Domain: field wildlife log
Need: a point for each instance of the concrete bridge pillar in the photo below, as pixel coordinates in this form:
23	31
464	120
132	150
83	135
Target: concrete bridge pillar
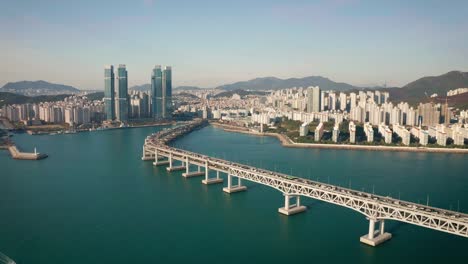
175	168
290	209
170	160
188	174
146	155
375	237
234	188
159	160
209	180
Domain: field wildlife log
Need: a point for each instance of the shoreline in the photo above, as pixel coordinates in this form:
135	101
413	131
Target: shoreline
287	142
30	132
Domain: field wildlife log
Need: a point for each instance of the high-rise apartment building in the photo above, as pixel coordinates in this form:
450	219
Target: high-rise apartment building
429	113
109	92
167	92
313	99
157	92
343	103
121	105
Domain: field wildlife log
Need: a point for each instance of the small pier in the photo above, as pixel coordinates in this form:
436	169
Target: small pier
16	154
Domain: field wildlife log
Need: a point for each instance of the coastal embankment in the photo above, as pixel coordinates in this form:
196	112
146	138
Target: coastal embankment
287	142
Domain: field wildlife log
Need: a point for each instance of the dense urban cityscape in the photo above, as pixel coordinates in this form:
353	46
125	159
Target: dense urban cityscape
370	113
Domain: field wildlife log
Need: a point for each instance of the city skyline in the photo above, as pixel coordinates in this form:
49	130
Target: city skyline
340	40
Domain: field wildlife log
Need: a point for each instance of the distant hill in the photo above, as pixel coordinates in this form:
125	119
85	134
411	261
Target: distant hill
147	87
12	98
416	91
273	83
184	94
36	88
240	92
186	88
95	96
141	88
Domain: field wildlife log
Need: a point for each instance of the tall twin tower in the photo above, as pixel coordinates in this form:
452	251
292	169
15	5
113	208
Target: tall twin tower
161	92
116	101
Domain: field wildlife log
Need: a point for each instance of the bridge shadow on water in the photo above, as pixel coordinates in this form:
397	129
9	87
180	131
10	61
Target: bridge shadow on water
395	227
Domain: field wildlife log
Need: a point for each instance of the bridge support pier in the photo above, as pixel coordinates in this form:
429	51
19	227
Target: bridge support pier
234	188
375	237
290	209
188	174
207	179
175	168
158	161
146	154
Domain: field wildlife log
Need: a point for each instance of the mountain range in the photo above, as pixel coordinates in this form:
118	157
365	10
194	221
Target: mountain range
273	83
413	92
424	87
36	88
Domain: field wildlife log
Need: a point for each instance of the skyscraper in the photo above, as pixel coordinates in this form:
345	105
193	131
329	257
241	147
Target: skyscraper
167	92
157	92
313	99
121	108
109	92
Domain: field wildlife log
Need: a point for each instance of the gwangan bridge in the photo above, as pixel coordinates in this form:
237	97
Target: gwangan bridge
376	208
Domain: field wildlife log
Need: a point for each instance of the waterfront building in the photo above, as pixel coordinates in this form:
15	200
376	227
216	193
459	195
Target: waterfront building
369	131
445	114
304	129
167	92
441	137
424	138
386	133
313	99
411	117
336	133
429	114
157	92
352	132
402	132
216	114
395	116
109	92
352	100
318	132
343	102
322	101
332	101
121	100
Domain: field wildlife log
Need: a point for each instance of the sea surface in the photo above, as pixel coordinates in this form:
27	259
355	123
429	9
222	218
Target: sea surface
93	200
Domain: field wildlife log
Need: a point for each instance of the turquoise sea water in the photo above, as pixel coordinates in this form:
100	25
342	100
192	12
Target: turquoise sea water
94	201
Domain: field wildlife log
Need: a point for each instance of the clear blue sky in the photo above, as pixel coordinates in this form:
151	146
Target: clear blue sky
212	42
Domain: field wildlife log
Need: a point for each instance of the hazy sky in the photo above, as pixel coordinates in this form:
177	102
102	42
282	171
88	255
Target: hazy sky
212	42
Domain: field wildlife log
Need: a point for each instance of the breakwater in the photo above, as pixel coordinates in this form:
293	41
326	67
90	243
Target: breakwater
17	154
